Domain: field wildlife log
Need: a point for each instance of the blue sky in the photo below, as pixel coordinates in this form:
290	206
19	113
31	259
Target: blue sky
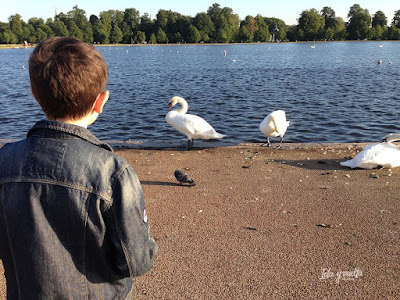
287	10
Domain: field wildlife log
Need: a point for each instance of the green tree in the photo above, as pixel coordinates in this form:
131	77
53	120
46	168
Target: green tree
393	33
117	16
140	37
396	19
292	33
59	28
16	27
106	20
9	37
175	25
329	15
262	33
251	25
162	19
29	34
161	36
245	34
93	19
379	19
37	34
376	33
339	29
46	30
100	33
78	16
226	23
130	24
146	25
359	22
74	30
116	34
153	39
232	23
205	26
182	26
40	34
312	24
194	35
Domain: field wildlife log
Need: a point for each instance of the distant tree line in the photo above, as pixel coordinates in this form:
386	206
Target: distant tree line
217	25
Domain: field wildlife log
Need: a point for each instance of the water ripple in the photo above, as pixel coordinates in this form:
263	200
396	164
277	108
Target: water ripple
334	93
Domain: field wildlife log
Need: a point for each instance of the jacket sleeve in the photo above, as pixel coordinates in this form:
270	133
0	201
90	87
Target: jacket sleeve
130	219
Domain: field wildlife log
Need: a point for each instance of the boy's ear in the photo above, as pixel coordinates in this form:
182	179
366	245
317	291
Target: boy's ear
100	101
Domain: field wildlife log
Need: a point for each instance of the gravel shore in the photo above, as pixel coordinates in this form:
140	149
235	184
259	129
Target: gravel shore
266	223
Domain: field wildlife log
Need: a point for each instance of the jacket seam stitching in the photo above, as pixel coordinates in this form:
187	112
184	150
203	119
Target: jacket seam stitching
105	196
117	227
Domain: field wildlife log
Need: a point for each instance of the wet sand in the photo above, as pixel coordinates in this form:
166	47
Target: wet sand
264	223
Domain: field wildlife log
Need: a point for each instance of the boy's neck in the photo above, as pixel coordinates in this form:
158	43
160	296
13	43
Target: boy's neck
83	122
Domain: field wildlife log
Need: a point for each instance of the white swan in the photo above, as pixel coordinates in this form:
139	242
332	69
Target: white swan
194	127
274	125
384	155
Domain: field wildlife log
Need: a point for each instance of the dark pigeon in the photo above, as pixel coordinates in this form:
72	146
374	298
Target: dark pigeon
183	177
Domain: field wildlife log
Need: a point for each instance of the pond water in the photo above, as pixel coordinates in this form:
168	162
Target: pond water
333	92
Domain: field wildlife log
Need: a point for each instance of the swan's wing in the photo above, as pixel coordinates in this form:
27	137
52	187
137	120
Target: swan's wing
179	122
275	123
383	154
281	124
267	127
200	128
192	126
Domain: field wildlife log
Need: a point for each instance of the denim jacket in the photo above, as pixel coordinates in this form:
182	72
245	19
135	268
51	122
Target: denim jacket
73	223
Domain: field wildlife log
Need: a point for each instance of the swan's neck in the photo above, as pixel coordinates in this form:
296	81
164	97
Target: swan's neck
393	137
184	106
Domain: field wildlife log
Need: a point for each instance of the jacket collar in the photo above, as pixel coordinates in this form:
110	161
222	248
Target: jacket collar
69	129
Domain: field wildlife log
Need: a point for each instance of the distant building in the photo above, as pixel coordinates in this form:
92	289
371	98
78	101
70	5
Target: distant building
273	32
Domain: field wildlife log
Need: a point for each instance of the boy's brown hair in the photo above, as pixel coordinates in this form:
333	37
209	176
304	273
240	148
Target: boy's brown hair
66	76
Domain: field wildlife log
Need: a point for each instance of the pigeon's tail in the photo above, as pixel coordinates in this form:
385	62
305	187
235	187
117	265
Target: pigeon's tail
182	177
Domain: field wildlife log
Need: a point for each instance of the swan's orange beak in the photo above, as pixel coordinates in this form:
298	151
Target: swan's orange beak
170	106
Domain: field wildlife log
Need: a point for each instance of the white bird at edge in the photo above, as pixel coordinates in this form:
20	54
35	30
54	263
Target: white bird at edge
194	127
385	155
274	125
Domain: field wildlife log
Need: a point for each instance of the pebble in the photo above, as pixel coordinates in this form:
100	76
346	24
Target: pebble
373	175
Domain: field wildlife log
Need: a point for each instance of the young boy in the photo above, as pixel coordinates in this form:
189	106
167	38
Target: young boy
73	223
